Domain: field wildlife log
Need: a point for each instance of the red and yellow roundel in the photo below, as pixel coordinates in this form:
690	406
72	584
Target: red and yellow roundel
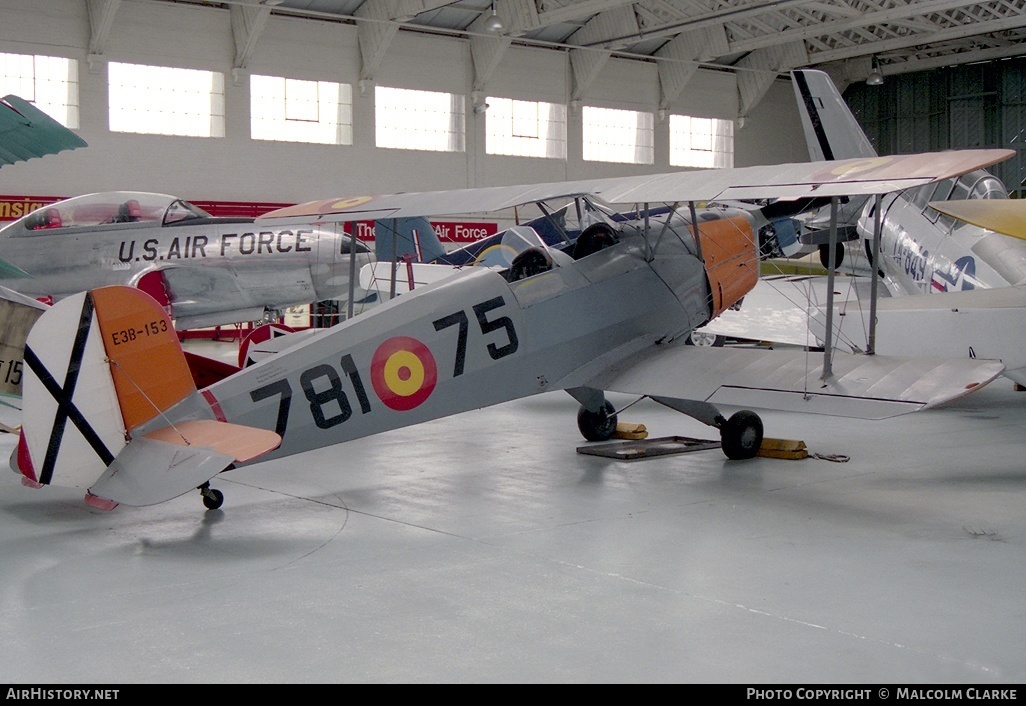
348	203
403	372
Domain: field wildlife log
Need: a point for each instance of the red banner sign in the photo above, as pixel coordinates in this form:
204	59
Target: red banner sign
462	232
14	207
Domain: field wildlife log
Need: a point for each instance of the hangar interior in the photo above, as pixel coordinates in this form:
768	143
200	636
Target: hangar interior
483	547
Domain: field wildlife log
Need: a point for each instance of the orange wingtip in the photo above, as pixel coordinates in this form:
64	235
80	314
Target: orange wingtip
240	442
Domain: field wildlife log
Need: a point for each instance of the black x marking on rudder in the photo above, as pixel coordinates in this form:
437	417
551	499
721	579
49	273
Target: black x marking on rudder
62	395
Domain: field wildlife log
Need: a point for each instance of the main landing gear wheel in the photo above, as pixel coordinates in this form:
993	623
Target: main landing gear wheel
597	426
705	339
824	254
212	498
741	435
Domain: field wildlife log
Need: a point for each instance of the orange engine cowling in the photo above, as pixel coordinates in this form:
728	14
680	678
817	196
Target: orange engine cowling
730	251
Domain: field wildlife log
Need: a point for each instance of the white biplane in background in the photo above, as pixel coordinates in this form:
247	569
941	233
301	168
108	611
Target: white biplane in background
111	408
945	239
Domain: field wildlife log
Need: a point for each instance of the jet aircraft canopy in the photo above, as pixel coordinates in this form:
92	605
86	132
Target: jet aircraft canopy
108	208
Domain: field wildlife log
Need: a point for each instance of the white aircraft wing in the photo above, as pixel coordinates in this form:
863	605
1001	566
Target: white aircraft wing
849	177
861	386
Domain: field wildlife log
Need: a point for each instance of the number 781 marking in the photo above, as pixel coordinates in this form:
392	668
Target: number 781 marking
481	312
321	400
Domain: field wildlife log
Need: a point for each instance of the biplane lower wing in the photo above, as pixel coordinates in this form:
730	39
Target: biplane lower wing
860	386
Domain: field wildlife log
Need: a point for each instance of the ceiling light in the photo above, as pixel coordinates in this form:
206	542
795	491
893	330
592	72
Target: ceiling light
875	77
494	24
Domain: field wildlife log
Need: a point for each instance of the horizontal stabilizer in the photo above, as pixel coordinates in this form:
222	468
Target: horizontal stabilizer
242	443
149	471
174	460
861	386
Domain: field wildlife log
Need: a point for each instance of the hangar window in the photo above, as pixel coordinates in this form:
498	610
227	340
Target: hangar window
161	100
526	128
612	135
418	120
48	82
291	110
701	142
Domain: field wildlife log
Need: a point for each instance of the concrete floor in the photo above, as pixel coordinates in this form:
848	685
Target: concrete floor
484	548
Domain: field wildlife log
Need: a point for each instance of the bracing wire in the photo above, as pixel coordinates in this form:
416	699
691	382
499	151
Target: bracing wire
147	398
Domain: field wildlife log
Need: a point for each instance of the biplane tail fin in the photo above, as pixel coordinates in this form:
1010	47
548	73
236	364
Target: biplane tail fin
101	367
406	238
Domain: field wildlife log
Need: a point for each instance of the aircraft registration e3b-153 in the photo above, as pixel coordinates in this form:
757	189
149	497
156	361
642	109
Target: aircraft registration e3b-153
207	270
111	408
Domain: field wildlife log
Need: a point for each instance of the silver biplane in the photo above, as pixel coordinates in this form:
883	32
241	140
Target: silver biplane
953	282
110	406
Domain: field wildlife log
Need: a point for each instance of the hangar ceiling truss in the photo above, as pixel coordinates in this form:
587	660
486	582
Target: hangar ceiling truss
757	39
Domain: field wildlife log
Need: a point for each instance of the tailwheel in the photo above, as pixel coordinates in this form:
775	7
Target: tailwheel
597	426
212	498
741	435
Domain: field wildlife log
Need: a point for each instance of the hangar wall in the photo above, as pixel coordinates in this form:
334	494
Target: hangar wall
960	107
238	168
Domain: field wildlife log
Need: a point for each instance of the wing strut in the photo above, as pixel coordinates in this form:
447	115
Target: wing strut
352	271
874	279
873	295
694	223
828	342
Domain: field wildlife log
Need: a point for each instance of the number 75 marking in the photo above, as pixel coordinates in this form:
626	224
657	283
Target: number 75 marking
481	312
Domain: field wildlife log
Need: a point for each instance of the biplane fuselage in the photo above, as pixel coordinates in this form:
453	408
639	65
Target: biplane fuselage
472	341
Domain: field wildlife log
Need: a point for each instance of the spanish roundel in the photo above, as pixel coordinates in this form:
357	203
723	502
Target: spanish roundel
403	372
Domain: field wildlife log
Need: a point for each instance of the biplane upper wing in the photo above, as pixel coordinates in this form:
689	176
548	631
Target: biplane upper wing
782	181
856	385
